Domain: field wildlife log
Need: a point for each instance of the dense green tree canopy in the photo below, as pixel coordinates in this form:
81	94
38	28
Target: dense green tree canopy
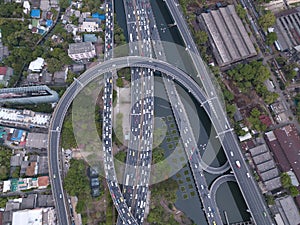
267	20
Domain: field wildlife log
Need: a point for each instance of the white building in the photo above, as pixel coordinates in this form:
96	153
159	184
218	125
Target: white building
39	216
275	6
89	27
37	65
26	7
84	50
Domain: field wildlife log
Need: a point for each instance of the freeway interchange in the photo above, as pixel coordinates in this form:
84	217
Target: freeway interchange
174	73
207	98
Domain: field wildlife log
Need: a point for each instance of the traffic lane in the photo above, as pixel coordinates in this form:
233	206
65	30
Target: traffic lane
248	185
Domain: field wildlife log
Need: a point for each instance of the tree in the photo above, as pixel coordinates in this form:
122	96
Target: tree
158	155
271	38
271	97
54	65
64	4
285	180
241	11
70	77
294	191
119	82
201	37
267	20
255	112
270	199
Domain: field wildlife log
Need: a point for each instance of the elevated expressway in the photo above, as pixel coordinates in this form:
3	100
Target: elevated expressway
138	160
249	188
218	182
58	117
186	133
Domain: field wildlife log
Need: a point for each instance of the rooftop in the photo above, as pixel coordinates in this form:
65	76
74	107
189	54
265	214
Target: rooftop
24	117
31	217
288	210
77	48
229	37
35	13
286	148
3	70
37	140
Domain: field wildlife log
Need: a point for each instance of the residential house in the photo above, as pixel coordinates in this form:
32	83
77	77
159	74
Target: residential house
37	65
26	7
3	50
5	75
60	77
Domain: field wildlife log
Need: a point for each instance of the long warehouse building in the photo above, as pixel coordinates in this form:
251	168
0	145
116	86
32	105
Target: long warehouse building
228	36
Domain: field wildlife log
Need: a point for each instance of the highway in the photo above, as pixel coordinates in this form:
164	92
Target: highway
213	107
138	160
61	110
189	141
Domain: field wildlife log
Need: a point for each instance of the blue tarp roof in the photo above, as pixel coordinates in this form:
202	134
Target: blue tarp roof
36	13
49	23
99	16
18	138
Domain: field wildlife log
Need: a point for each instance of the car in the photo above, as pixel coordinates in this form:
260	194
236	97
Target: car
264	213
248	175
54	176
231	153
60	195
238	164
208	195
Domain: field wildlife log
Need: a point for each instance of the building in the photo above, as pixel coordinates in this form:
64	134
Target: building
284	142
5	74
24	118
28	95
35	13
38	216
275	6
228	37
37	140
288	210
3	50
37	65
87	26
79	51
90	38
60	77
287	28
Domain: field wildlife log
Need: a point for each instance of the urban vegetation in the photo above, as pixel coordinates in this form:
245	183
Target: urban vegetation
271	38
256	124
5	154
267	20
252	76
242	13
288	68
67	135
164	191
76	183
119	129
287	184
297	102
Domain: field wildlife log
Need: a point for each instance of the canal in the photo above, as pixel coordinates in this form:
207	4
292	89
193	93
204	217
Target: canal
229	197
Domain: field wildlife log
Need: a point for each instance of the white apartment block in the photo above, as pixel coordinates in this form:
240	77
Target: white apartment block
89	27
83	50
